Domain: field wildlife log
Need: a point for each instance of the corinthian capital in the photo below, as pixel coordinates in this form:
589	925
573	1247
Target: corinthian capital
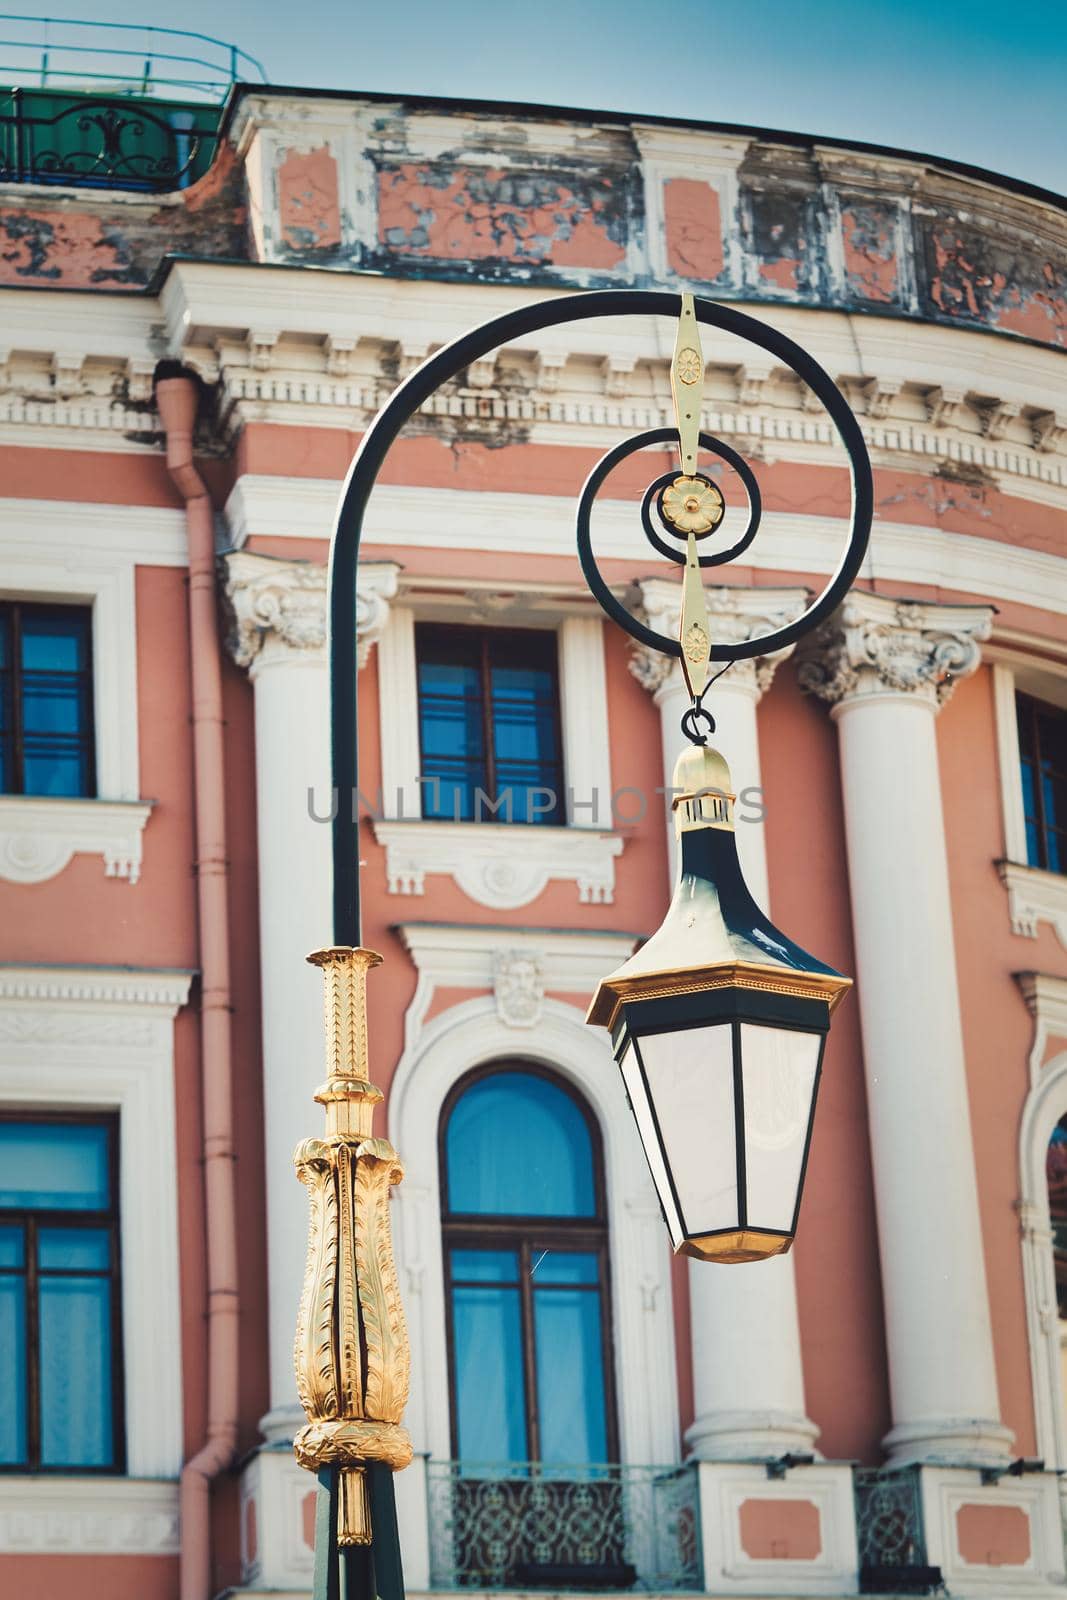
280	606
874	645
735	615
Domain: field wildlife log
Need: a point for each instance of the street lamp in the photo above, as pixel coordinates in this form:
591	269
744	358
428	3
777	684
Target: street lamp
718	1024
718	1021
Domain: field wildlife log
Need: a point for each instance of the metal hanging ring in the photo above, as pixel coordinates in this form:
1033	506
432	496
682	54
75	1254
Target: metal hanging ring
691	721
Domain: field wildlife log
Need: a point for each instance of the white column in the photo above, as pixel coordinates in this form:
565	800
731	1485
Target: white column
278	632
748	1382
886	667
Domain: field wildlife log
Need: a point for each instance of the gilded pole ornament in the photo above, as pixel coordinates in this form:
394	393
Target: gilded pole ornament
352	1356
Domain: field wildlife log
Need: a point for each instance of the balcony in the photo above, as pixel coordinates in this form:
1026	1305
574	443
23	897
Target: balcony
589	1528
109	106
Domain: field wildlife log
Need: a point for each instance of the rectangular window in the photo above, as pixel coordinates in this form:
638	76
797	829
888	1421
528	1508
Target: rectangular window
1043	762
60	1346
489	725
46	699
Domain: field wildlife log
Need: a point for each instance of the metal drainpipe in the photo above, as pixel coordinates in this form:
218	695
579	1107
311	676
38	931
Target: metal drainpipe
176	399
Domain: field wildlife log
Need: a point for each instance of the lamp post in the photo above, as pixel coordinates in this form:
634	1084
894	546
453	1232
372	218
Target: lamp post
718	1022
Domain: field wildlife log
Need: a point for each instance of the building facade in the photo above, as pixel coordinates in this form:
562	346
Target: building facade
185	378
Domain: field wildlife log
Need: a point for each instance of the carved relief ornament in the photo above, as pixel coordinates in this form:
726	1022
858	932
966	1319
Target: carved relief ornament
285	602
875	645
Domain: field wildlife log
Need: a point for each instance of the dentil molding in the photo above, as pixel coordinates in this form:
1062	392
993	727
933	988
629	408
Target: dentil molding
282	604
875	645
39	834
500	865
736	614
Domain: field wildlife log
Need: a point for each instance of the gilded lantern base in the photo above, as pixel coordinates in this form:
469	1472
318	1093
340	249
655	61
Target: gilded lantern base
352	1355
742	1244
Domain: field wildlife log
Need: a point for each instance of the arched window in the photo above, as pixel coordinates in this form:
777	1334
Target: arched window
1056	1174
526	1272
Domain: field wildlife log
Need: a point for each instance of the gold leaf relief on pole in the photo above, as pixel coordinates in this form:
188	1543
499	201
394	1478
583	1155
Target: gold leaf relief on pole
385	1331
316	1377
352	1354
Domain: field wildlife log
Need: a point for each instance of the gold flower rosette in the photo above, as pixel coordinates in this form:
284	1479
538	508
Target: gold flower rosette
352	1356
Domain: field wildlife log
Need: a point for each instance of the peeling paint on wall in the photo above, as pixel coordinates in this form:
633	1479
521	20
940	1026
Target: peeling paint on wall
498	198
101	244
309	212
493	213
1002	282
868	235
693	220
779	238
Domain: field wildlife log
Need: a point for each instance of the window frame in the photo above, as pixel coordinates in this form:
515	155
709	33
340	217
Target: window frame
31	1219
1034	708
526	1234
486	638
15	608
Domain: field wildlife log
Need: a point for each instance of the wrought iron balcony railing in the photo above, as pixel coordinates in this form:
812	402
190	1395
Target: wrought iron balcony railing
110	106
531	1526
889	1532
90	141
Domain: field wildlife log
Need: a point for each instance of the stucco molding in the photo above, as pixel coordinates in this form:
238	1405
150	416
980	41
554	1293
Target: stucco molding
280	606
40	834
555	961
453	1043
518	988
88	1516
900	553
498	864
1034	897
947	1491
877	646
736	614
727	1488
59	1028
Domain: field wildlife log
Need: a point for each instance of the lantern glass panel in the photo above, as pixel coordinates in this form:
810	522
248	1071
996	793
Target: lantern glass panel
690	1075
646	1127
778	1067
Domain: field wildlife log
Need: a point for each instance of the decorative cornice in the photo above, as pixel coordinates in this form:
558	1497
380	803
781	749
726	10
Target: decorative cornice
874	646
498	864
1035	896
536	962
165	990
88	1516
736	615
284	602
39	834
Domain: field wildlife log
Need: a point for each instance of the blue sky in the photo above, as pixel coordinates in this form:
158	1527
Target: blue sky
982	81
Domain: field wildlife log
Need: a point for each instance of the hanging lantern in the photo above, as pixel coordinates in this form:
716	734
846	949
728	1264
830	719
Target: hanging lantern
718	1024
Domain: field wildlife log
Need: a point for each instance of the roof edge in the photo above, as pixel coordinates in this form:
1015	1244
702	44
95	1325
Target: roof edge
803	141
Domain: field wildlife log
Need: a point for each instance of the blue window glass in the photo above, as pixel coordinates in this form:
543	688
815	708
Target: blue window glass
54	1166
12	1345
489	725
1043	770
518	1145
487	1333
570	1384
46	733
75	1323
526	1245
59	1409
